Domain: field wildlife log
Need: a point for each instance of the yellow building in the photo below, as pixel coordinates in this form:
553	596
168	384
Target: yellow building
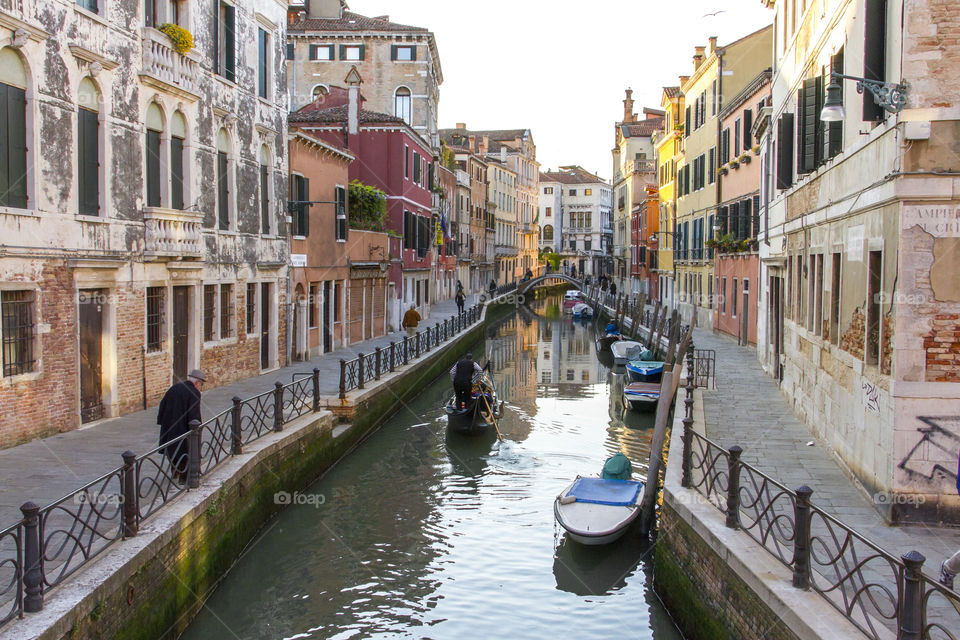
718	72
669	155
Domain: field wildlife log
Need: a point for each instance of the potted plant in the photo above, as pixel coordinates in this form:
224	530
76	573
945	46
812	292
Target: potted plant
181	39
711	243
745	158
722	171
756	150
734	164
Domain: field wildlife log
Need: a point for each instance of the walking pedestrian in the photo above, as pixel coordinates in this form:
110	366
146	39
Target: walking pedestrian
179	407
461	299
410	320
950	567
613	288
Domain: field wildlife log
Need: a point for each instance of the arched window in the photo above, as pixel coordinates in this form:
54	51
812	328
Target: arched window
155	127
178	135
402	105
13	130
88	148
548	233
264	190
318	91
223	179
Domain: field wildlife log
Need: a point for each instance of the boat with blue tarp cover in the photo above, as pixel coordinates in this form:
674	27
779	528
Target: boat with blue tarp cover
598	510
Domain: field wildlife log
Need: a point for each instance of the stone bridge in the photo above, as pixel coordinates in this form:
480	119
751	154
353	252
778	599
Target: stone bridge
550	279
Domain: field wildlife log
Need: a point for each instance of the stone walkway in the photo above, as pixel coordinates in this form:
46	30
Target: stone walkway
748	409
50	468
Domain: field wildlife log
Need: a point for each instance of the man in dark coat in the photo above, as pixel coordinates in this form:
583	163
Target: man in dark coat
179	407
460	300
462	375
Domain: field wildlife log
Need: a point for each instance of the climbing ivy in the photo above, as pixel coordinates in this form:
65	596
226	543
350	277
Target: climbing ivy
368	207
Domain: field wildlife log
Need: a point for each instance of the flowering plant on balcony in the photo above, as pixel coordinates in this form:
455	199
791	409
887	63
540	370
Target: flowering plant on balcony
181	38
745	158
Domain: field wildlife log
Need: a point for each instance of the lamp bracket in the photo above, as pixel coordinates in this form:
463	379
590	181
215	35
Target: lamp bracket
889	95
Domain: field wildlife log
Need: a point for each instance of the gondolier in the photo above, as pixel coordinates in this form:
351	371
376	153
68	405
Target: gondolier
462	376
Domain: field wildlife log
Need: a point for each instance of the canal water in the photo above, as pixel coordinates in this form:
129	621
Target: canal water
421	534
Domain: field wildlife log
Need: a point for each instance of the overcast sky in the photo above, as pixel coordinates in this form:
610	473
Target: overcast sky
560	67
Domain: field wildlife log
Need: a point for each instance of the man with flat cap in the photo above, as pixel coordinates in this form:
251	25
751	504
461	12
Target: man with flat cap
179	407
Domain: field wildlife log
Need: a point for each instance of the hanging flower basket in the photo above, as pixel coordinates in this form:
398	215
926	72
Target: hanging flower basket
181	38
745	159
734	164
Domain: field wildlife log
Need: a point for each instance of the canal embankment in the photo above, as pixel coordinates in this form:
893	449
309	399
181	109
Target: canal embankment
150	585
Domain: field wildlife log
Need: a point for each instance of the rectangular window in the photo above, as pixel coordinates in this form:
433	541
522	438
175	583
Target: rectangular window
573	192
747	129
874	282
587	244
874	54
354	52
835	299
403	53
290	51
154	318
300	188
588	192
725	146
321	52
723	296
416	167
788	311
17	329
785	151
811	292
90	5
226	310
13	147
548	190
736	138
818	324
88	162
263	46
264	199
176	172
209	312
153	168
712	166
251	307
341	198
223	192
713	99
549	211
312	306
225	40
834	133
733	299
810	128
406	162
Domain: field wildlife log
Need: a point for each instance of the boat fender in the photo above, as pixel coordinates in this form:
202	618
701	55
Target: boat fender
568	499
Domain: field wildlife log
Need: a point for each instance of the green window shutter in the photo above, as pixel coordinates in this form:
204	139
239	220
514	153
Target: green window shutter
393	52
807	127
363	50
820	129
722	220
756	216
874	53
216	36
13	147
413	53
176	173
290	51
305	197
230	44
686	125
785	151
153	168
747	129
343	52
835	129
261	63
264	200
88	168
223	193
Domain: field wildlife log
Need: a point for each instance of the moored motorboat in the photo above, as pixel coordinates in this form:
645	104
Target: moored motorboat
626	350
645	370
604	342
582	310
641	396
597	511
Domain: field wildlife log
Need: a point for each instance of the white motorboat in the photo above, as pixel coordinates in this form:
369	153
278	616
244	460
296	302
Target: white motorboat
582	310
642	396
597	511
626	350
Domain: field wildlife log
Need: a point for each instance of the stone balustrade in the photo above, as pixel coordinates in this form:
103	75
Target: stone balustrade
166	69
171	233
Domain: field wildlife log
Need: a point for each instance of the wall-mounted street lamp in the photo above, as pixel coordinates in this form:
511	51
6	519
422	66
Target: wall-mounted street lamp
890	96
655	237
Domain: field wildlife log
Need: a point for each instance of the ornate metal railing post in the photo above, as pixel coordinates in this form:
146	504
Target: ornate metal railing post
316	389
236	436
393	355
278	406
426	341
32	559
687	457
801	542
343	379
733	487
376	363
360	370
910	615
193	458
128	492
406	349
436	335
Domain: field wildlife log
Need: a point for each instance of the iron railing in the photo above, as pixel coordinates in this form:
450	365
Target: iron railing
51	543
876	591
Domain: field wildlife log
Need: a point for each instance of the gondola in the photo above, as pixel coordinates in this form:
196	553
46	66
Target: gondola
478	415
604	342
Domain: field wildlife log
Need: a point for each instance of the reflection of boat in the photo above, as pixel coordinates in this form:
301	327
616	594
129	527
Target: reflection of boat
595	571
606	358
478	415
645	371
582	310
571	299
641	396
604	342
626	350
597	510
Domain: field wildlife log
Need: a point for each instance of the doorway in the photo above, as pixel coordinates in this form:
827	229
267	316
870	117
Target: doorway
264	325
745	314
91	354
326	320
181	332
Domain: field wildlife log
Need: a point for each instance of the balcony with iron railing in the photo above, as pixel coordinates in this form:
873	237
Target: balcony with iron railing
172	233
168	70
645	166
463	178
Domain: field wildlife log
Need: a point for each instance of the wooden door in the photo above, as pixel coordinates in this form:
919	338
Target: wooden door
181	332
264	325
91	355
327	322
745	316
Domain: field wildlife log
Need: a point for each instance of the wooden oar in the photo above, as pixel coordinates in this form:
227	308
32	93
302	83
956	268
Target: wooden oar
492	417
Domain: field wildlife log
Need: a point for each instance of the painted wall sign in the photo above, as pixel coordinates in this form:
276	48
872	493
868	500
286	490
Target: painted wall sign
942	221
298	259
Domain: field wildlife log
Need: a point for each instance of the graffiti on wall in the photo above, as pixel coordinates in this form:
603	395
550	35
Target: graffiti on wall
932	461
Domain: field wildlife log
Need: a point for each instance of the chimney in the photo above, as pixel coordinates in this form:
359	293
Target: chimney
503	154
462	125
353	81
473	143
712	47
697	58
628	115
327	9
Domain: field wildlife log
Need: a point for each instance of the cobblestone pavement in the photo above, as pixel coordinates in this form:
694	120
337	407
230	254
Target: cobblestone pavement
748	409
46	469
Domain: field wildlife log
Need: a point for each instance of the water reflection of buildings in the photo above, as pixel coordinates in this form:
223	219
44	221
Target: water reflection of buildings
567	357
513	361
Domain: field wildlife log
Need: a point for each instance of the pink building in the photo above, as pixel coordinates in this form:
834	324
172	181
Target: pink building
736	262
394	158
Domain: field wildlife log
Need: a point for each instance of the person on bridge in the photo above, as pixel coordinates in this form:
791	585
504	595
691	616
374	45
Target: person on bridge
461	299
462	376
410	320
493	289
613	288
179	407
573	272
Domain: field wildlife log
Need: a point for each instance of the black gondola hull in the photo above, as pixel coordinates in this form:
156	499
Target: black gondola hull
469	420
